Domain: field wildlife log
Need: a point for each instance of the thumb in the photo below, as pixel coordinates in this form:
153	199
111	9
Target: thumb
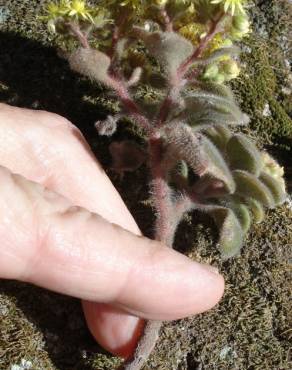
47	241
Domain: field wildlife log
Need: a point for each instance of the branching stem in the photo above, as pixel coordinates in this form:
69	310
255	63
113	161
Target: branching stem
81	37
177	83
202	46
134	111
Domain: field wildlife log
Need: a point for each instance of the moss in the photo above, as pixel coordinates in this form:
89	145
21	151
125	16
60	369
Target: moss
249	329
258	88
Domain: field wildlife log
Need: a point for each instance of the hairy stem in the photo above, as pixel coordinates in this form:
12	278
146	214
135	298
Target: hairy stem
169	214
132	108
161	193
81	37
177	82
202	46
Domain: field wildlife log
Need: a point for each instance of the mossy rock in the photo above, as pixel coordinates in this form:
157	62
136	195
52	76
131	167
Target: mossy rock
249	329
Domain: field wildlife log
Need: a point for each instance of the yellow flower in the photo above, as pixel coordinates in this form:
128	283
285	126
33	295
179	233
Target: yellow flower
55	10
193	32
235	6
78	9
134	4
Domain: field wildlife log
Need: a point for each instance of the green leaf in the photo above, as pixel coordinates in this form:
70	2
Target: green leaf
91	63
219	135
276	187
243	155
219	53
182	144
243	215
231	233
217	166
250	186
169	48
216	102
257	210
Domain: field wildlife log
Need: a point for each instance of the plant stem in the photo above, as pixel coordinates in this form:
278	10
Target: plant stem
169	213
161	192
202	46
167	21
134	111
164	232
178	84
81	37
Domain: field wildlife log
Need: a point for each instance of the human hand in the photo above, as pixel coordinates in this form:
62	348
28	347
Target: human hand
64	227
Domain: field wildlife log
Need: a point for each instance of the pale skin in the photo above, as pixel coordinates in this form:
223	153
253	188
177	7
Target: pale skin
64	227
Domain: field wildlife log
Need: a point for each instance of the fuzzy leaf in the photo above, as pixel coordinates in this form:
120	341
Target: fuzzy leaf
219	90
91	63
217	166
276	187
169	48
184	145
250	186
217	103
179	176
200	113
219	135
243	155
243	215
257	210
120	48
219	53
231	233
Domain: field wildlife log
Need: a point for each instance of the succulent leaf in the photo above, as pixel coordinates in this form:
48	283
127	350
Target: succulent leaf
215	102
219	135
221	53
250	186
257	210
243	155
231	233
276	187
91	63
183	144
242	213
217	166
169	48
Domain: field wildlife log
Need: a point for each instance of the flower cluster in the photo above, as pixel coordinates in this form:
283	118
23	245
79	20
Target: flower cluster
77	11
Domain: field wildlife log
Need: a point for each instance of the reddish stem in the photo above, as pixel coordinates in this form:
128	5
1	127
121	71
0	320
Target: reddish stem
167	104
130	105
81	37
182	70
161	191
167	21
200	49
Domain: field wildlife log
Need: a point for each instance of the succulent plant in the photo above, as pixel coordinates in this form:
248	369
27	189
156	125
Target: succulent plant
167	62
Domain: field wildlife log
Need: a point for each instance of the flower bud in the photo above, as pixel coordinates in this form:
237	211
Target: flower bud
219	79
107	127
52	26
241	24
230	69
211	71
161	2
